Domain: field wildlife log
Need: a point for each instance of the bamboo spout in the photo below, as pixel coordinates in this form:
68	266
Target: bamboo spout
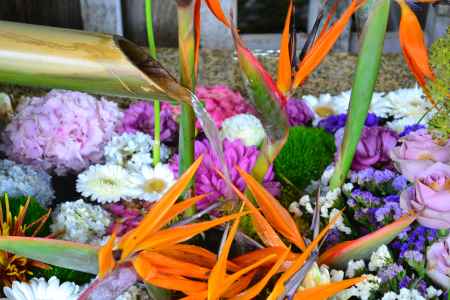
97	63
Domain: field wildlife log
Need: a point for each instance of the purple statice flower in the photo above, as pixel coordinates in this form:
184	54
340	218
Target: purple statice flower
388	212
335	122
299	113
366	198
390	272
417	239
422	287
365	216
383	176
363	176
414	256
351	202
400	183
411	128
334	237
208	181
405	282
140	117
392	198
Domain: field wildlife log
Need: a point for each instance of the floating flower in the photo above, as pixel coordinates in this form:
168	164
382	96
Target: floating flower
106	183
152	183
430	197
373	147
132	151
298	112
417	152
62	131
438	263
221	102
140	117
40	289
80	222
244	127
207	181
22	180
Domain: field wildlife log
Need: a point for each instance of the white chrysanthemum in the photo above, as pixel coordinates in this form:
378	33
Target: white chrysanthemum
354	267
379	105
40	289
132	151
405	294
106	183
362	290
245	127
80	222
380	258
152	183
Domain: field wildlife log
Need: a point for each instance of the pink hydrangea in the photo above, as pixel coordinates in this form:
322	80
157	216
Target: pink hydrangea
62	131
221	102
140	117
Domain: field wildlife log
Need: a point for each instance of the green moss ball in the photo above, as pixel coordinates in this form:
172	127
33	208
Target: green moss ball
308	151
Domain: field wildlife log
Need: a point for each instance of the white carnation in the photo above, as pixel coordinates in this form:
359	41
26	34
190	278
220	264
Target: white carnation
354	267
80	221
245	127
380	258
405	294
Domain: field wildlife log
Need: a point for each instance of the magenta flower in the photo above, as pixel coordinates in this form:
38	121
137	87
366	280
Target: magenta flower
140	117
417	152
430	197
438	263
221	102
62	131
298	112
373	147
236	154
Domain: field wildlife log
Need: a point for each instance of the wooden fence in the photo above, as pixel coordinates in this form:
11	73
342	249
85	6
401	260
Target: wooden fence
126	17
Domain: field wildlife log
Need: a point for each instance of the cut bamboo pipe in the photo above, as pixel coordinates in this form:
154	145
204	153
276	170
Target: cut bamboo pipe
97	63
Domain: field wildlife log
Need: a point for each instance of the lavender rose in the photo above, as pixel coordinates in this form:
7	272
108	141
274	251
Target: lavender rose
417	152
373	147
438	263
430	197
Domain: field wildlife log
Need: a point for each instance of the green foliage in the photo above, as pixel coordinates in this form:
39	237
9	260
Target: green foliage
34	212
439	60
305	156
64	275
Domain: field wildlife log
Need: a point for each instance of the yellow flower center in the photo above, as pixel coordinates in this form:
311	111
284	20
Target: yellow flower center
324	111
155	185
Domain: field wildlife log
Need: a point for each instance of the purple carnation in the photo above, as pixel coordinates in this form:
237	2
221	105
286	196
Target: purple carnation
411	128
335	122
373	147
298	112
236	154
62	131
140	117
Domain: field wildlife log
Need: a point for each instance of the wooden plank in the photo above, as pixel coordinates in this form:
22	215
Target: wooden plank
58	13
214	34
102	16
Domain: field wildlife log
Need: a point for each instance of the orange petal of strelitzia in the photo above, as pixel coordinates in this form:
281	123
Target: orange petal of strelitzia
157	213
274	212
106	261
324	44
284	78
413	46
216	9
324	292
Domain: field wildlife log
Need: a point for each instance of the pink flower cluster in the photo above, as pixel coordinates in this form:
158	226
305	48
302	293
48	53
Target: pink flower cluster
62	131
221	102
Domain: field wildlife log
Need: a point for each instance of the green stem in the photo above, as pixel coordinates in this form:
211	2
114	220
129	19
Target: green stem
186	41
156	103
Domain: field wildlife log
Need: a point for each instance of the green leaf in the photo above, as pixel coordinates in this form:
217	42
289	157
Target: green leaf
69	255
340	254
158	293
64	275
369	61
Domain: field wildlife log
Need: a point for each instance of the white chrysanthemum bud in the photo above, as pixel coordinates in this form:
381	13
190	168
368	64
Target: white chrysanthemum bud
245	127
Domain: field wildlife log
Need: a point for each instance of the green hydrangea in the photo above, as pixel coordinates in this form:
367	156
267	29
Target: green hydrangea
439	60
305	156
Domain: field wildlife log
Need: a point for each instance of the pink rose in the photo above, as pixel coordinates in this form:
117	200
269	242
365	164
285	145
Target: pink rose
417	152
438	263
430	197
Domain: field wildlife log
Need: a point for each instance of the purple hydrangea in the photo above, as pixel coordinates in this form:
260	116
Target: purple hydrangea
335	122
140	117
207	181
62	131
411	128
299	113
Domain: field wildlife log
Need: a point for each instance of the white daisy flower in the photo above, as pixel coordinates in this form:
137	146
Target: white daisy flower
40	289
106	183
152	183
244	127
323	106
